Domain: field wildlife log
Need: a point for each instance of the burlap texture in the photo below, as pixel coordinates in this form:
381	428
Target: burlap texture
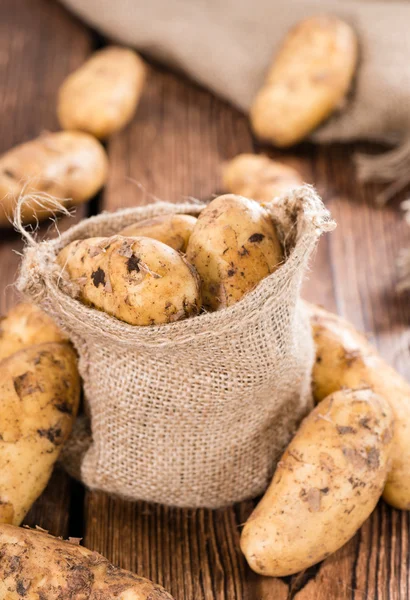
193	413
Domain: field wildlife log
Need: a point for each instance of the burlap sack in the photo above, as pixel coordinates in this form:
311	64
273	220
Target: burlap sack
193	413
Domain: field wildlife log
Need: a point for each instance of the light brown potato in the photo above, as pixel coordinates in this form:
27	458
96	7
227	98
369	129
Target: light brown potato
307	81
325	486
138	280
173	230
233	247
102	95
35	565
67	165
39	396
344	358
258	177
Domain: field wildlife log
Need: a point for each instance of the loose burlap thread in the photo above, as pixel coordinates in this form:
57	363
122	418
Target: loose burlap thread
193	413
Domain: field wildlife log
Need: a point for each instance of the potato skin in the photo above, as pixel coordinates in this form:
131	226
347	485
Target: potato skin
102	95
326	484
39	397
307	81
36	565
344	358
173	230
68	165
138	280
233	247
258	177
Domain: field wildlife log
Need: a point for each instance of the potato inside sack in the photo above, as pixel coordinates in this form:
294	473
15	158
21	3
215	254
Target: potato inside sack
173	230
233	246
138	280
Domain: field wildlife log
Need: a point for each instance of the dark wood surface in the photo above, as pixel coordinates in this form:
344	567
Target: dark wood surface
174	147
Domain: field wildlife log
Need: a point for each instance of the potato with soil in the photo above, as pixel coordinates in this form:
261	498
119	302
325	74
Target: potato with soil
344	358
102	95
35	565
258	177
138	280
307	81
233	246
173	230
326	484
67	165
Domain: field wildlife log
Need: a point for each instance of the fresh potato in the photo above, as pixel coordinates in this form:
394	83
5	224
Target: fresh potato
326	484
308	80
102	95
344	358
173	230
39	396
258	177
233	246
38	566
138	280
67	165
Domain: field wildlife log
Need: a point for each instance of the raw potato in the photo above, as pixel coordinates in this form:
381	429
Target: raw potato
35	565
325	486
233	247
138	280
173	230
39	396
67	165
308	80
344	358
258	177
102	95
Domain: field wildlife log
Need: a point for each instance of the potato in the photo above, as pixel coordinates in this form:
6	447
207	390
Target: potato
68	165
344	358
326	484
38	566
307	81
233	246
258	177
39	396
138	280
173	230
102	95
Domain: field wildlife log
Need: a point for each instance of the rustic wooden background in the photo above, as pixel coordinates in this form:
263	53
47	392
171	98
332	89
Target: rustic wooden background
174	148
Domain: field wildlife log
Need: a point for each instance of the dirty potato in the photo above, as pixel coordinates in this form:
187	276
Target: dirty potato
173	230
308	80
233	246
138	280
68	165
258	177
344	358
326	484
35	565
102	95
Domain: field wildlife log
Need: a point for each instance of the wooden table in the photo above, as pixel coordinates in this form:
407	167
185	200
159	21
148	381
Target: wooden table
174	148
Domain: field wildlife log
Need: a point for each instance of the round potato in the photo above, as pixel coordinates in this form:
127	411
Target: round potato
67	165
102	95
233	246
326	484
173	230
138	280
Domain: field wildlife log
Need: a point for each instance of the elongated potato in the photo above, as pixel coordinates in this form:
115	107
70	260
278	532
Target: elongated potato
308	80
344	358
233	246
258	177
38	566
138	280
102	95
326	484
39	396
69	165
173	230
